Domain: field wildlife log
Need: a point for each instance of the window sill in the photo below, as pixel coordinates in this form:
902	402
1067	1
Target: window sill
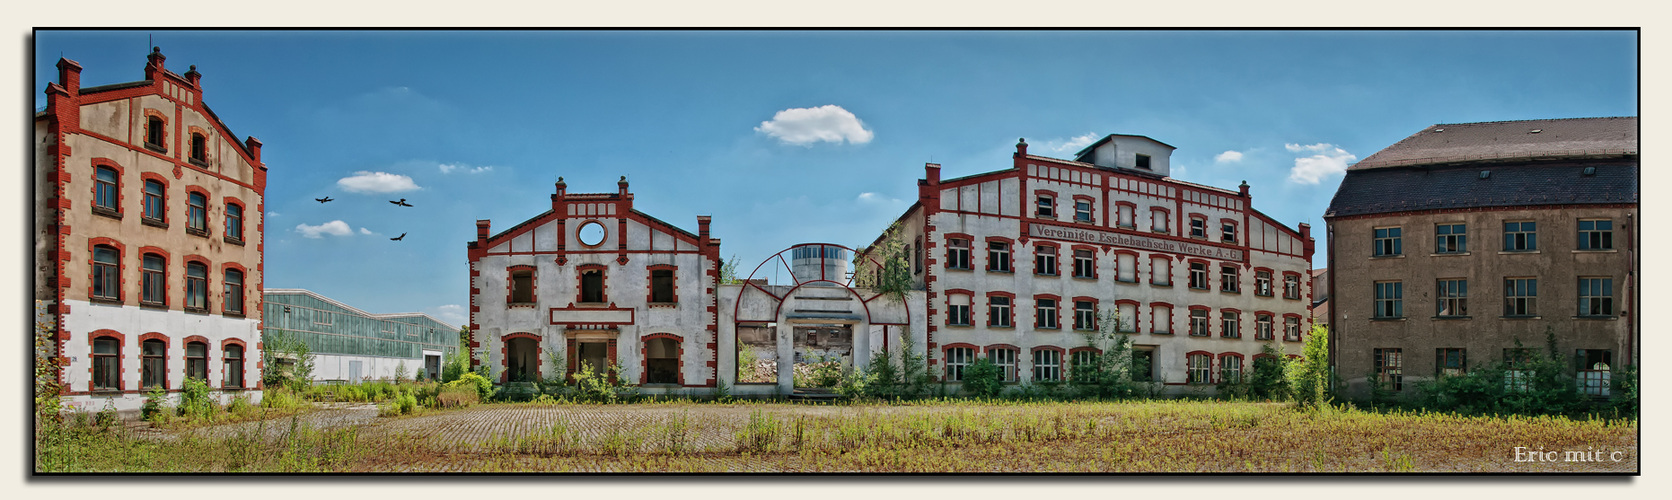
153	222
1267	295
517	305
1129	227
154	305
106	391
1451	254
98	210
190	310
999	271
1126	282
1607	250
964	269
198	162
592	304
1598	318
1291	298
1161	285
234	388
105	300
1521	317
1086	222
950	325
198	232
1291	340
1517	252
1048	275
1161	333
664	304
1451	318
1006	327
1159	231
1230	292
1388	319
1045	217
1200	289
1380	257
234	241
156	147
1202	335
1052	328
1087	278
232	314
1239	337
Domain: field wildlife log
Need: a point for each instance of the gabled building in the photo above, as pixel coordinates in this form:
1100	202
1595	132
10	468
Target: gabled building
148	238
594	281
350	345
1452	245
1018	264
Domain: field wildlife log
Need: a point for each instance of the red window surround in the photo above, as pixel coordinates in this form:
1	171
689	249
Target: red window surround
1166	270
970	297
192	130
244	209
141	282
1055	298
1221	318
244	368
1013	306
1206	230
1299	320
168	355
604	277
1131	208
207	203
161	179
650	288
122	353
1001	239
539	352
246	290
1217	360
973	250
510	285
1091	202
1094	252
121	185
1137	326
1299	282
1160	322
121	267
1033	204
644	355
1165	218
145	131
1213	368
1217	233
1115	254
1094	305
1192	309
1049	249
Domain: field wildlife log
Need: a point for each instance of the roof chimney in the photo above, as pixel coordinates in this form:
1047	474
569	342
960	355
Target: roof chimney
154	63
192	77
931	172
557	197
254	145
622	186
702	230
1021	147
69	75
482	231
1244	189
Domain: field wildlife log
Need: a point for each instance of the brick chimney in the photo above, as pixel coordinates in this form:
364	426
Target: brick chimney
254	145
482	231
931	173
69	75
1243	189
702	230
622	186
1021	147
193	77
558	195
154	65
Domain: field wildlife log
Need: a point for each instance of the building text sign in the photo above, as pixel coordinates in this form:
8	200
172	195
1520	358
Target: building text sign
1132	241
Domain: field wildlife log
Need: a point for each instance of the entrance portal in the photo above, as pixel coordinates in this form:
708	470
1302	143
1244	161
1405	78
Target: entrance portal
823	353
522	360
593	355
661	363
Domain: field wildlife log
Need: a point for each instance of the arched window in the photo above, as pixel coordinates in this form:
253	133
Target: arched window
234	289
153	280
106	193
154	201
197	360
107	276
235	221
197	213
154	133
107	364
153	364
197	287
232	366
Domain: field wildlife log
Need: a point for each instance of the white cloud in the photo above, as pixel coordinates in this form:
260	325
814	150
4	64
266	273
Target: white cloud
272	214
1073	144
1326	160
1228	157
333	228
365	231
869	197
448	168
805	126
376	182
451	313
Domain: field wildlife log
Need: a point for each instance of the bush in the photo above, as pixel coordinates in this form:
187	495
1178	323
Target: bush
154	408
982	378
281	398
484	388
456	395
195	402
1311	376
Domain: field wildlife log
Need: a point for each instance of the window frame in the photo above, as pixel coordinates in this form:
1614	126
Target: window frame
1198	368
1451	238
1228	231
1201	325
1230	278
153	366
1116	256
1045	205
958	253
1198	227
1451	297
1164	274
232	366
1085	210
156	129
1230	368
1000	260
1292	330
1447	365
1384	306
1265	326
955	312
197	287
1521	297
1593	239
1047	312
232	293
107	193
106	274
153	282
198	362
199	150
1155	323
1126	215
1262	282
1005	312
1523	237
233	225
1291	285
664	280
1085	318
1047	364
1387	241
1085	262
107	366
1045	260
1389	366
1198	275
1007	358
1164	217
581	292
956	364
514	275
1590	301
1230	323
1590	380
154	206
197	214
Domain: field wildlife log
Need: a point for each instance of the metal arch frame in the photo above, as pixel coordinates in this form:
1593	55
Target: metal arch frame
776	311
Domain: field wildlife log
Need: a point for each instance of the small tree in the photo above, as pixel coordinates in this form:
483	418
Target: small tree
982	378
400	372
728	270
1270	380
1310	377
280	348
1109	374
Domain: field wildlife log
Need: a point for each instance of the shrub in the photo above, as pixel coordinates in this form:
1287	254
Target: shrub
456	395
982	378
153	409
281	398
1311	376
195	402
484	388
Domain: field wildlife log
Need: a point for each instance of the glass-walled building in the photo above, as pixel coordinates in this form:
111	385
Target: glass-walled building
352	345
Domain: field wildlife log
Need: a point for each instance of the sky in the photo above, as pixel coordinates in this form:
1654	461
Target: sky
789	137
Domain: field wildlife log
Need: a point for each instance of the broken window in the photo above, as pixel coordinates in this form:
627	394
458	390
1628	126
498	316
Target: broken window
592	286
661	285
661	362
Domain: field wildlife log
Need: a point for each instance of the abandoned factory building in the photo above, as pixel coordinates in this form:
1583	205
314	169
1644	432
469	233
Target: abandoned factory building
1468	244
148	238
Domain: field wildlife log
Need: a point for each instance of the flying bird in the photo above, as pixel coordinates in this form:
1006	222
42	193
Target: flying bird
401	203
398	238
322	200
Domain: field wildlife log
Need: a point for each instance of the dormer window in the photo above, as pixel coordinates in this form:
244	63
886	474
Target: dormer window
1142	162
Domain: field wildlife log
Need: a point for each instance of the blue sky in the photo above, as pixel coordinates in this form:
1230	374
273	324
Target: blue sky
791	137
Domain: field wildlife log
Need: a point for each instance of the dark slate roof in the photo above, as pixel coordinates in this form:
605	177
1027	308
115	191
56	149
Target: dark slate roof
1569	138
1385	190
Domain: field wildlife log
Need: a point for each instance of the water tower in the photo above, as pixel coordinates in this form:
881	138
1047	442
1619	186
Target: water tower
810	262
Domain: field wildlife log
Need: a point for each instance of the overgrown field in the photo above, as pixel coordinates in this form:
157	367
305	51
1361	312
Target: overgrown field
953	436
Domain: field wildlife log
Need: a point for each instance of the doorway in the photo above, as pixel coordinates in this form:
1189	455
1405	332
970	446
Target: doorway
823	354
522	360
661	362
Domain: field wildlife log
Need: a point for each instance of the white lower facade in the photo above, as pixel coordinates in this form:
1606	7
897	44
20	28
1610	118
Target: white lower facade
131	325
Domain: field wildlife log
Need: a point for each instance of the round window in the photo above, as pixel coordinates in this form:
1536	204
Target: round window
591	233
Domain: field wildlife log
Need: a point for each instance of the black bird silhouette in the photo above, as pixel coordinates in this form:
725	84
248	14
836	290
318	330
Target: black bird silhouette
322	200
398	238
401	203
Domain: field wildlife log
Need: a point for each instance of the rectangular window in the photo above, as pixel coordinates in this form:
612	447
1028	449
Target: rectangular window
1199	366
1046	206
1161	270
1158	221
1387	242
197	361
232	367
1084	263
1199	322
1451	297
233	291
958	310
153	363
154	201
661	285
1228	279
522	287
107	364
957	359
1596	234
107	275
1084	369
105	194
1450	362
1045	313
1126	267
153	287
1047	365
1262	283
1005	359
1143	364
1161	319
1262	327
1230	369
1291	286
1390	297
1593	371
1125	216
1228	233
1596	296
197	213
1198	227
1085	315
1230	324
1082	211
234	222
1520	236
1199	275
998	311
1388	367
957	253
1291	329
1451	238
998	256
1141	161
1128	317
1045	260
197	287
592	286
1520	296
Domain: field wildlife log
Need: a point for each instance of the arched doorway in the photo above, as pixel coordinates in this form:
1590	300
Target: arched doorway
661	361
522	359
